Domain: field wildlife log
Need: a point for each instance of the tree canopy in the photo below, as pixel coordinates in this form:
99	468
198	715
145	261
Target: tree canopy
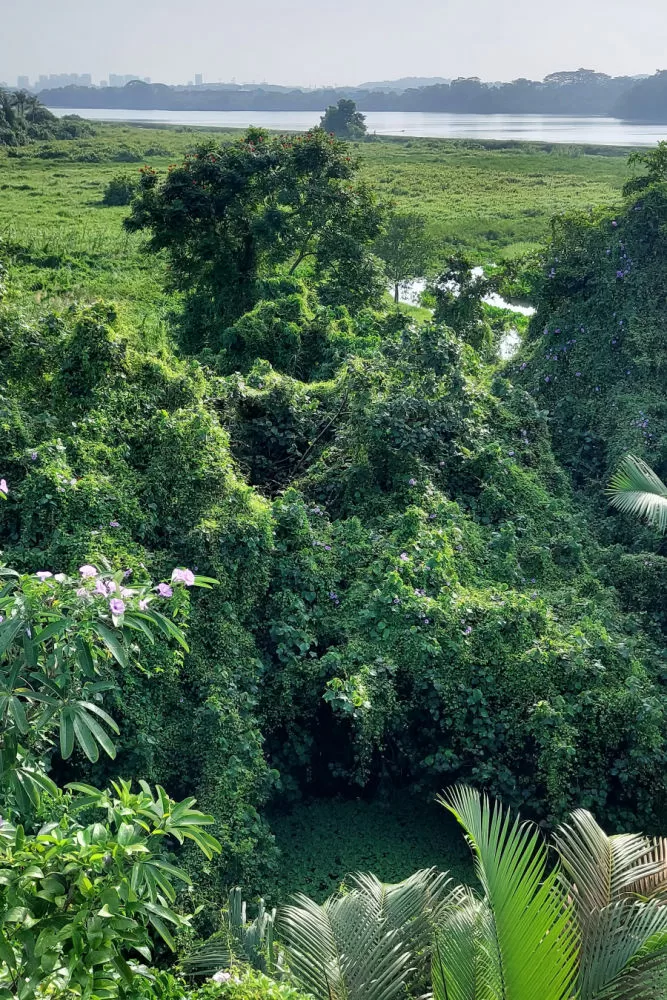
344	120
233	215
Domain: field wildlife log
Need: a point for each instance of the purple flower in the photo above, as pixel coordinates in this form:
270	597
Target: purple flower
114	524
3	487
404	557
43	575
111	587
143	604
577	374
101	588
117	606
82	592
619	274
87	570
128	572
614	223
510	452
124	592
33	456
327	548
412	482
547	378
468	630
185	576
164	590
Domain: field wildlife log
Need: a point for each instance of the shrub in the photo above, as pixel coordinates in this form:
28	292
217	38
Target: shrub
120	190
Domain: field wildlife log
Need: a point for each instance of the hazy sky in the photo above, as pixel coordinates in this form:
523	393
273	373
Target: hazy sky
314	42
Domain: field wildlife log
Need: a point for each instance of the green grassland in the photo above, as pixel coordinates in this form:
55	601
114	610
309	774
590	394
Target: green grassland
489	199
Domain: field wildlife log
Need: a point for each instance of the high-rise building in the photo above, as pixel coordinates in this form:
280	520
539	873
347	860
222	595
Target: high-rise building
199	79
23	82
120	79
63	80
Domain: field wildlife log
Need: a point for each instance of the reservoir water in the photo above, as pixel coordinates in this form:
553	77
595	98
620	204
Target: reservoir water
529	128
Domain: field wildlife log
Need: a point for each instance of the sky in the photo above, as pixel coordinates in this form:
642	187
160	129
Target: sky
324	42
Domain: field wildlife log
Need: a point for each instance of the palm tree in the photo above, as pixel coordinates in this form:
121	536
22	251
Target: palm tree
519	939
593	926
618	885
366	943
636	489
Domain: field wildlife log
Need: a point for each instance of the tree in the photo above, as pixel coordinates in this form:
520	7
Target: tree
344	120
655	164
238	213
459	301
405	248
637	490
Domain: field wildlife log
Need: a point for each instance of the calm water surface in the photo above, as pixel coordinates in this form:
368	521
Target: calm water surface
531	128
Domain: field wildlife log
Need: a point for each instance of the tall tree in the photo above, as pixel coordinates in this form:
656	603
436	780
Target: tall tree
238	213
405	248
344	120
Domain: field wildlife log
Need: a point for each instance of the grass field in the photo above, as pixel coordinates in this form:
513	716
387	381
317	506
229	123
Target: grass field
489	199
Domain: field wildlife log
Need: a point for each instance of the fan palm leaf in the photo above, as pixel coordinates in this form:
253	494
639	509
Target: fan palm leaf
637	490
535	936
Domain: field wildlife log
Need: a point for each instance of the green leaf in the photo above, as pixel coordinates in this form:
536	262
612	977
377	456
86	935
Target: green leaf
110	640
85	737
66	733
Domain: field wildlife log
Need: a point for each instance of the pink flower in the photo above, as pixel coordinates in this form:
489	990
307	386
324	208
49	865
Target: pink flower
117	606
404	556
124	592
143	604
87	570
114	524
3	487
82	592
101	588
164	590
43	575
112	587
184	576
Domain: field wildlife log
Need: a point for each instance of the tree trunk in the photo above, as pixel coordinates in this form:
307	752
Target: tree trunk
396	292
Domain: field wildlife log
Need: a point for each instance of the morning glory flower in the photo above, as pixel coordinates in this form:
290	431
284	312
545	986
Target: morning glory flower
43	575
143	604
60	578
3	487
185	576
82	592
114	524
412	482
117	606
164	590
404	557
87	570
33	456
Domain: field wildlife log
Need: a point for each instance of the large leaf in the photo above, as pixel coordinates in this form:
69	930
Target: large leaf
625	957
603	869
465	958
636	489
534	929
340	950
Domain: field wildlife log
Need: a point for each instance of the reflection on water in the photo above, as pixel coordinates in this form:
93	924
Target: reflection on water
530	128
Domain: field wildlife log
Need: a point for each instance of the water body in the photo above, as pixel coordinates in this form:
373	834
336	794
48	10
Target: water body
410	294
529	128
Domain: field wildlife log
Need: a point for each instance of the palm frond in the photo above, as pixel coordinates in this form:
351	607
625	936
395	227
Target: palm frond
626	953
344	950
600	868
535	932
465	959
637	490
413	907
653	884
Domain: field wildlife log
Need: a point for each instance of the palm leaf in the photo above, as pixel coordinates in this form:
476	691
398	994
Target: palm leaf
534	929
602	869
414	907
341	951
465	960
626	953
636	489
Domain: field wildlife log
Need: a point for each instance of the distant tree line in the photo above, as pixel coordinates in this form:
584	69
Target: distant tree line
578	92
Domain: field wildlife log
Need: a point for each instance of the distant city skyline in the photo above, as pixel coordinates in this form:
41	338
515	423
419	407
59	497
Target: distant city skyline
305	43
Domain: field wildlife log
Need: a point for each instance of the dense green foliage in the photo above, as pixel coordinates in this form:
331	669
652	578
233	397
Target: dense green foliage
417	582
23	120
343	119
237	213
